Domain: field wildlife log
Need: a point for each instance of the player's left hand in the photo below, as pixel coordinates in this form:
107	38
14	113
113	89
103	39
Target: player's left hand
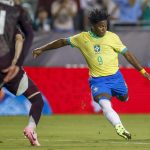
11	72
37	52
146	75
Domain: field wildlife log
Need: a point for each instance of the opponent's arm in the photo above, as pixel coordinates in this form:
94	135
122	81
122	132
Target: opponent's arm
132	60
50	46
13	69
18	48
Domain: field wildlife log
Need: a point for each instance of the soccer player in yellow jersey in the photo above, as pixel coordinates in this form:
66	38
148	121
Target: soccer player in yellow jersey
100	49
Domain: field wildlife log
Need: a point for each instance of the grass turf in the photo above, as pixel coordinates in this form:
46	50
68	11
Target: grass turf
76	132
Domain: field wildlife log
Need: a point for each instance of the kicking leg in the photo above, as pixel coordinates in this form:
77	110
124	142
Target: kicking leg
112	116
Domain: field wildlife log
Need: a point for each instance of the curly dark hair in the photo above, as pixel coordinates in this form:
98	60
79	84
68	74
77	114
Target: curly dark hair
98	15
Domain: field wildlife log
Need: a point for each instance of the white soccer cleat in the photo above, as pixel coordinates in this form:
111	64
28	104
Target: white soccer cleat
31	136
121	131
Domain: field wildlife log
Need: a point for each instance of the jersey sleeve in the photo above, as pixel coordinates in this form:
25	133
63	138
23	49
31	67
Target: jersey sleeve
75	41
18	31
118	46
25	25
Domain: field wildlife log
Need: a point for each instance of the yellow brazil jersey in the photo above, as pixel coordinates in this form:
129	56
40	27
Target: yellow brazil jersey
100	53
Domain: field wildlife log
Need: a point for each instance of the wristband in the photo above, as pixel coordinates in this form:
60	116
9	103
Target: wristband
143	71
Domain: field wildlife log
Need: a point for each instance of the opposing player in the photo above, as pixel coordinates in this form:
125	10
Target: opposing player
19	40
13	48
100	49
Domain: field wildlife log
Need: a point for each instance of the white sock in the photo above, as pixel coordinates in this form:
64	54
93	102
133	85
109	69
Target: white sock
31	123
109	112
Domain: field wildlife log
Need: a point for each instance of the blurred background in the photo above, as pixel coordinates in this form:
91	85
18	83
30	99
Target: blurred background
62	75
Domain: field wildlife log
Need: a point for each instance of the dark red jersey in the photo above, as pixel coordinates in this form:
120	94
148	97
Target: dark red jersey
10	18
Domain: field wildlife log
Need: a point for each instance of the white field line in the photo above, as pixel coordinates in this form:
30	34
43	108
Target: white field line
138	143
84	141
25	140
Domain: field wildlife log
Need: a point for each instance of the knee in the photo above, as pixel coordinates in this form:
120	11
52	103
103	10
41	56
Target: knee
34	95
105	106
35	98
123	98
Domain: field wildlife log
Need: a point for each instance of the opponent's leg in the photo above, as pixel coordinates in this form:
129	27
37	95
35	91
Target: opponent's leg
21	84
34	96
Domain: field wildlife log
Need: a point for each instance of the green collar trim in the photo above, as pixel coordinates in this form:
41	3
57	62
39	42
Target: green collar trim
92	34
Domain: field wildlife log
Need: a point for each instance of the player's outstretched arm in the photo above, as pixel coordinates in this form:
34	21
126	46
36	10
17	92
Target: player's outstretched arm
132	60
50	46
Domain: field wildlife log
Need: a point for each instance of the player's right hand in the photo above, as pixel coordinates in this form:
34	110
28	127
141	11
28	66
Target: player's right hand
37	52
11	72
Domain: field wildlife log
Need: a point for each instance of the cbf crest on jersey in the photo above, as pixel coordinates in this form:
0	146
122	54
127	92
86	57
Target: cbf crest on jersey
97	48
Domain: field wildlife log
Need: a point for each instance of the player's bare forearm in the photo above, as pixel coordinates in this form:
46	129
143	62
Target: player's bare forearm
54	45
13	69
132	60
18	48
50	46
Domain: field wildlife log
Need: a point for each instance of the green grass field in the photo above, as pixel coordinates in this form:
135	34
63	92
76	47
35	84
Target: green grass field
77	132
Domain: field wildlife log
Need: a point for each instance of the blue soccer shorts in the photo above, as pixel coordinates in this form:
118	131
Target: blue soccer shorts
114	85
